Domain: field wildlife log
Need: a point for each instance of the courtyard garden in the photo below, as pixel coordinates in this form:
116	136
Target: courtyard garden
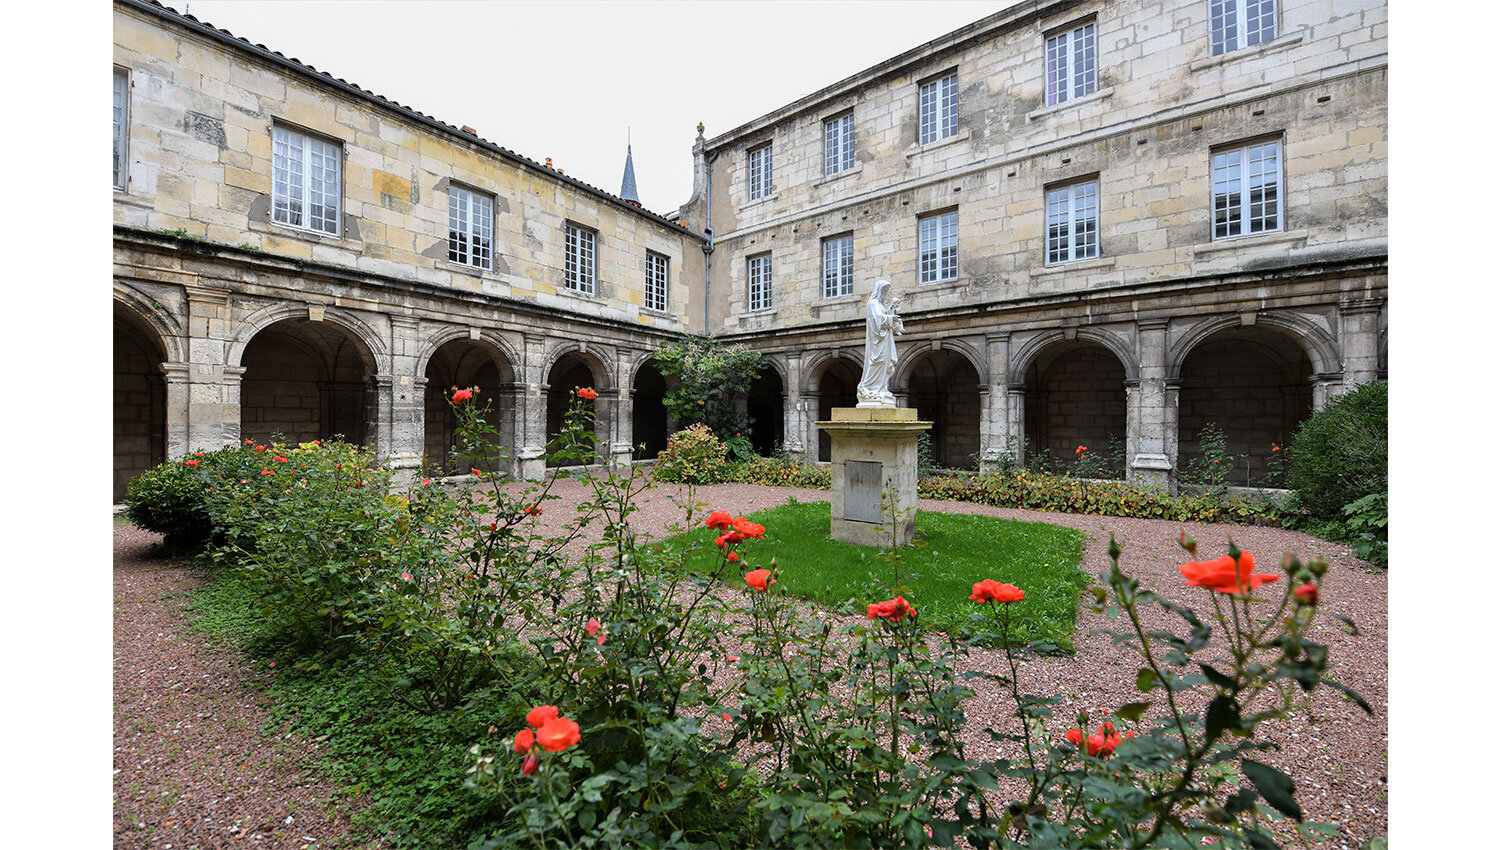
608	660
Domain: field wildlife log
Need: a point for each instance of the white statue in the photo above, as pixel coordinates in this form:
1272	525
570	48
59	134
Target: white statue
882	324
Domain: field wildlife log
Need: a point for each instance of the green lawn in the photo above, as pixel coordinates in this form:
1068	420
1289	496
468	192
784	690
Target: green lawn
952	552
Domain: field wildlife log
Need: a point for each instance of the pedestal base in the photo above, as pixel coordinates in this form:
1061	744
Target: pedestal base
874	456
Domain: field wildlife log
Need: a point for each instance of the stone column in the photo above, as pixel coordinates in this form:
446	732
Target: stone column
1015	419
793	431
994	405
211	417
1169	430
401	417
1359	342
512	403
1325	386
531	415
178	387
1147	416
810	425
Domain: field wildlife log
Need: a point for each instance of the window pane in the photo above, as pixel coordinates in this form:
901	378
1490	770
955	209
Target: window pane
286	176
1057	69
1223	26
122	124
483	228
1260	21
458	225
1083	60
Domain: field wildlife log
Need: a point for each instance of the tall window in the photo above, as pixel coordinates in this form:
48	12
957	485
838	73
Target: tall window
1070	64
580	258
471	227
656	282
1247	190
838	266
937	238
1234	24
758	272
305	181
937	109
838	144
1073	222
760	172
122	123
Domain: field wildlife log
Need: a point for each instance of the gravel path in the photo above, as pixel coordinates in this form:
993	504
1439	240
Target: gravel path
1338	759
192	766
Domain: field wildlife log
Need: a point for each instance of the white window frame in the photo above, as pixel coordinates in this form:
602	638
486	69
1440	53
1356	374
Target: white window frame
838	143
297	160
937	247
758	282
759	161
1072	63
1227	30
937	108
121	111
1239	178
838	266
657	277
1072	225
471	228
582	258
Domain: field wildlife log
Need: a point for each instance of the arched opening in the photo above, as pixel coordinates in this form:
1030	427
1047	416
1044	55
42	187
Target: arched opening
305	380
1253	383
838	385
944	388
468	363
766	406
649	425
571	372
140	399
1075	396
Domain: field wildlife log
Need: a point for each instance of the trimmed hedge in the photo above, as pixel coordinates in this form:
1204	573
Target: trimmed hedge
1042	491
1339	454
781	472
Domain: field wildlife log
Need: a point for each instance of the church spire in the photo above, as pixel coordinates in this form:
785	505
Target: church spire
627	183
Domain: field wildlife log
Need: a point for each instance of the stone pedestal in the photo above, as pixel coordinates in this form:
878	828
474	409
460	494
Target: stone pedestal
874	458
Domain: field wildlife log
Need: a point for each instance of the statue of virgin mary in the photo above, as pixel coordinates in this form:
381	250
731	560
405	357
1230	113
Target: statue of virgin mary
882	324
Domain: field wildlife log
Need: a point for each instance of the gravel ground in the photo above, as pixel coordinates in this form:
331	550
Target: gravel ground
192	766
1338	759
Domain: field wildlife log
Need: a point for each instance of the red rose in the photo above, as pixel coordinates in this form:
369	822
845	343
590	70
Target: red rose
728	538
463	395
530	765
593	627
266	472
525	740
477	473
732	557
541	714
260	448
746	528
426	481
190	463
1307	594
990	590
1076	736
1080	450
759	579
894	610
588	393
1224	575
719	520
557	734
279	459
534	510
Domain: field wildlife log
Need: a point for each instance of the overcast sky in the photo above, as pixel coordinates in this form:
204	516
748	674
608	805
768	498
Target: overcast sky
566	80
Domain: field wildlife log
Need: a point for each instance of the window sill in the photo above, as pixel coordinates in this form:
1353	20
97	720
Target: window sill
1256	240
1096	95
1074	266
580	294
1272	46
839	299
660	314
764	199
123	196
961	136
949	283
471	271
848	172
291	230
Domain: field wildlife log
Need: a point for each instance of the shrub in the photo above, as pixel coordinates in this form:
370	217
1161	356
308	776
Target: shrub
1043	491
710	375
693	455
169	500
1212	466
1339	453
1366	528
781	471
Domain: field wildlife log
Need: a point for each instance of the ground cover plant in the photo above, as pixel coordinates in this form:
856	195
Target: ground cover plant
617	717
952	551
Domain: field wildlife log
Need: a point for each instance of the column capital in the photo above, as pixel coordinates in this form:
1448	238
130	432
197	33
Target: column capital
1152	324
177	372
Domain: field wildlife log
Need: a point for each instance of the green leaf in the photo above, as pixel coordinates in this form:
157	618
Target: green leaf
1353	694
1146	680
1260	841
1132	710
1275	787
1223	714
1216	677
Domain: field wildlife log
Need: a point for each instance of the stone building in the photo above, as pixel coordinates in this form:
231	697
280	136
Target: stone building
1108	220
296	255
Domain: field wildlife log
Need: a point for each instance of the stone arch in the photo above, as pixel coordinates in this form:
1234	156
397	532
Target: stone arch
1075	395
167	329
597	358
306	380
455	358
1254	382
765	404
139	422
1316	343
943	384
498	344
916	350
650	424
833	379
373	348
1023	358
570	366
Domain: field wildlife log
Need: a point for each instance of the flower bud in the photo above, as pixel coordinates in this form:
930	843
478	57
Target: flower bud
1317	566
1187	543
1290	564
530	765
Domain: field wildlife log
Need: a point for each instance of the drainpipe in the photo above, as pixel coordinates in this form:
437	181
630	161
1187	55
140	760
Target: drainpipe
708	230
